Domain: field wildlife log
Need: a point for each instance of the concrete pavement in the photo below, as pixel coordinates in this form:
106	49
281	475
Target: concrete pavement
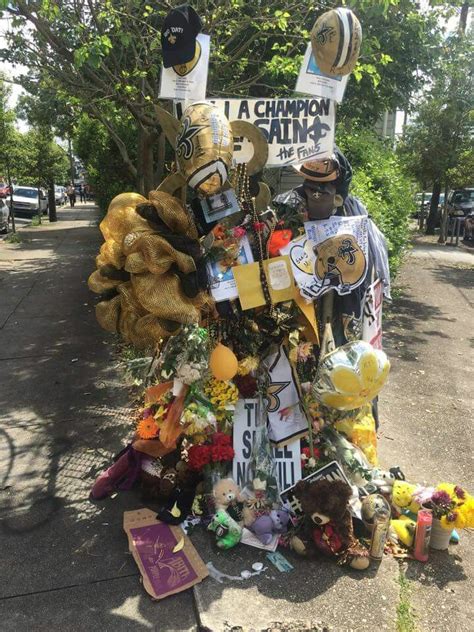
64	411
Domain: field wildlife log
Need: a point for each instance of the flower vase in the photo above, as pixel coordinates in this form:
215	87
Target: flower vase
439	537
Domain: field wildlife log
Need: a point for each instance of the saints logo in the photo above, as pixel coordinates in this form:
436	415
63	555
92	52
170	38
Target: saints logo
340	263
184	141
325	34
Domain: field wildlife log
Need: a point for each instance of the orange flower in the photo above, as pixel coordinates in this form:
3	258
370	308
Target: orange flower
219	231
147	428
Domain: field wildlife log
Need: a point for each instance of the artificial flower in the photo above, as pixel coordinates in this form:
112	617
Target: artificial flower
453	520
239	232
218	231
221	438
147	428
258	226
246	384
198	456
247	365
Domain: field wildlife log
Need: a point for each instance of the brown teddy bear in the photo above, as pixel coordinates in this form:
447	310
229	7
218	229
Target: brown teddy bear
327	523
227	497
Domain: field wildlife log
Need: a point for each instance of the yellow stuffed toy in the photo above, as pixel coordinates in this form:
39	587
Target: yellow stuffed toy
404	528
402	496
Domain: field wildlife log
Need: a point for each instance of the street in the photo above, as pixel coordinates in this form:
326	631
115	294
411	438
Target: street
64	412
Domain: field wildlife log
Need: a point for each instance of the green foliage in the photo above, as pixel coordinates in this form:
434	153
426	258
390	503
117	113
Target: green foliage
381	184
104	57
106	172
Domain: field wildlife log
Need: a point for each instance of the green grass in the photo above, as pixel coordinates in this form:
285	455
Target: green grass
13	238
35	221
405	616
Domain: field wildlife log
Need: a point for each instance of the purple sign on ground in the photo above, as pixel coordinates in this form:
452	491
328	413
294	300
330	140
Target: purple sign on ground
166	571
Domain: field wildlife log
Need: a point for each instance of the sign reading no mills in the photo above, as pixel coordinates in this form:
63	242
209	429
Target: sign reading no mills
287	458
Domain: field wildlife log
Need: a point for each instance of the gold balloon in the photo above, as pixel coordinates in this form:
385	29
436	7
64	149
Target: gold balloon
204	147
223	363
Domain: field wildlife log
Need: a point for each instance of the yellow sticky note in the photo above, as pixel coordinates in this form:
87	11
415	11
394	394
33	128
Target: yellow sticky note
279	277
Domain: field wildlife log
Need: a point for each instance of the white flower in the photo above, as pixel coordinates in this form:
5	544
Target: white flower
312	462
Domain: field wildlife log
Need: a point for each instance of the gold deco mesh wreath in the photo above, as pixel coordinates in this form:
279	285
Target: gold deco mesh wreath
162	295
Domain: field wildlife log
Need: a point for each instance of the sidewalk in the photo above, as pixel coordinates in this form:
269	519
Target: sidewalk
64	412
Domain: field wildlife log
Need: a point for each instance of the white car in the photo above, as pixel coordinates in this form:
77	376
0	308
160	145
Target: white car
25	201
60	194
4	212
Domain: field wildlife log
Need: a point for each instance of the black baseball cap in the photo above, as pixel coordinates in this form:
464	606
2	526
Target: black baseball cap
178	35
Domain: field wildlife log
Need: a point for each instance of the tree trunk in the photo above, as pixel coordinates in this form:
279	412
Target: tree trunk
71	161
145	170
443	232
463	18
52	203
160	159
433	214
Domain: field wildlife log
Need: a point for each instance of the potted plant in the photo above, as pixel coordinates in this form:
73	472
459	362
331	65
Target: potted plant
452	508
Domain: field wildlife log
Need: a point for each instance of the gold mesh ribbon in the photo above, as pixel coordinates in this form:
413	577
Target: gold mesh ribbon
99	284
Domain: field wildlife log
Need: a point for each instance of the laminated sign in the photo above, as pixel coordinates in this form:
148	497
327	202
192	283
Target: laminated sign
297	130
340	246
188	81
287	458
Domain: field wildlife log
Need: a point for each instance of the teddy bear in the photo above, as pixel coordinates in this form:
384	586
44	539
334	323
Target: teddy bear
265	526
327	522
228	532
227	497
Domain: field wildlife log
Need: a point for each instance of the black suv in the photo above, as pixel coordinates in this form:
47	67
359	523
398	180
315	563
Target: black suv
461	202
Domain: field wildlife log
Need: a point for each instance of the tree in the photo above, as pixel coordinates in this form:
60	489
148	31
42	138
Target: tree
104	55
7	135
440	139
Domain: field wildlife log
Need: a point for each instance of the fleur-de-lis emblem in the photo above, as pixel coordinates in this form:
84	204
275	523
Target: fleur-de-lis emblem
172	39
184	144
325	34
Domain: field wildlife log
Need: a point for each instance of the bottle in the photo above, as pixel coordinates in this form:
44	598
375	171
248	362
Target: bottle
379	534
422	535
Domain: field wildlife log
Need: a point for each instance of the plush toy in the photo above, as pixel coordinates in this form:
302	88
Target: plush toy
327	522
227	496
228	532
265	526
404	529
402	496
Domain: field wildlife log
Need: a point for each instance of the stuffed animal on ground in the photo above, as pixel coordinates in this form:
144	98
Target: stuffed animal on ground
404	529
402	496
327	523
227	496
228	532
265	526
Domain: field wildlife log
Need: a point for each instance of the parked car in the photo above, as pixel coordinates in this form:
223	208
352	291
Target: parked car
4	190
469	227
427	204
25	201
4	213
60	194
461	202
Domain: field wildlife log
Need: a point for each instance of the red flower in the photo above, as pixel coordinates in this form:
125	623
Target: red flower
198	456
259	226
306	452
221	438
222	453
246	384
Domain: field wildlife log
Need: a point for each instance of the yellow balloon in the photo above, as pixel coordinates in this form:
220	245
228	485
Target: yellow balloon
223	363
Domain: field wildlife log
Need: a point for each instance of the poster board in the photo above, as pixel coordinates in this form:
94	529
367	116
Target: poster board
297	130
312	80
187	82
288	457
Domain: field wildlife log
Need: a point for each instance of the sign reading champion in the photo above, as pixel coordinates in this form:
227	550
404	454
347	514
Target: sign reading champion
296	129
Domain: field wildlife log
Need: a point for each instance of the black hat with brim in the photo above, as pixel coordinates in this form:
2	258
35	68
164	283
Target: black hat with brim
178	36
